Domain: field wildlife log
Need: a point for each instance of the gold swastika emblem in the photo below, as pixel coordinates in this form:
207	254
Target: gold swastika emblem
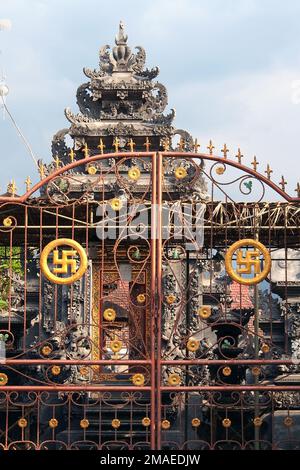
64	261
252	258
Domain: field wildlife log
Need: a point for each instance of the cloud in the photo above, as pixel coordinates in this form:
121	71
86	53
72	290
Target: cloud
228	70
254	111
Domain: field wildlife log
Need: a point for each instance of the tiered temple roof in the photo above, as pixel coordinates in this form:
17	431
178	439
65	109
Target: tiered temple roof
121	107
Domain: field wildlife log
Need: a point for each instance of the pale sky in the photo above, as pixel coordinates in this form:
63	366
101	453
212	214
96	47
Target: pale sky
229	65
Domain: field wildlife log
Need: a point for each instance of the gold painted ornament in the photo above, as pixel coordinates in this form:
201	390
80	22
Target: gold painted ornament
92	170
116	204
170	299
84	423
46	350
22	423
141	298
220	170
247	262
193	345
196	422
138	380
7	222
63	261
116	423
134	173
180	173
204	311
55	370
116	345
165	424
174	379
53	423
226	423
3	379
109	314
146	422
226	371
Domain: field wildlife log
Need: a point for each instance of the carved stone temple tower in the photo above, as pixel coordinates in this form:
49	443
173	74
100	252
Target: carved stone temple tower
120	102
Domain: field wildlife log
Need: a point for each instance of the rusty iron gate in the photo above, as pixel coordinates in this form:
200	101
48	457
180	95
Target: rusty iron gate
160	340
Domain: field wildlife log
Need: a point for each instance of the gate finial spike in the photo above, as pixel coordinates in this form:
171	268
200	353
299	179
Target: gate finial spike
225	150
283	183
166	144
72	155
131	145
57	161
255	163
210	147
239	155
116	144
147	144
196	145
101	146
85	150
28	183
269	171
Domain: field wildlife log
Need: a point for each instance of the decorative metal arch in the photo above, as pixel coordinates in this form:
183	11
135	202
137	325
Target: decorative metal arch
175	154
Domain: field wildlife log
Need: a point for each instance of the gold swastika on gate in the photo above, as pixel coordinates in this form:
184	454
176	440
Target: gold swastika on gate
73	260
65	261
249	261
255	261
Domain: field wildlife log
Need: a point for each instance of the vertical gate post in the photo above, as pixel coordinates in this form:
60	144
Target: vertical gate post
153	231
159	292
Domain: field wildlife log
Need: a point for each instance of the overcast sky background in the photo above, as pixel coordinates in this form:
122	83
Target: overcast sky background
229	66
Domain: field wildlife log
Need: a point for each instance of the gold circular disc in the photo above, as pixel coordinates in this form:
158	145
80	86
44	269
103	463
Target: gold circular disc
84	423
116	423
234	275
196	422
7	222
60	242
165	424
3	379
138	380
146	421
53	423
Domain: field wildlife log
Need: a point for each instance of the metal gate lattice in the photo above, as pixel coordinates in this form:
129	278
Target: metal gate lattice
155	345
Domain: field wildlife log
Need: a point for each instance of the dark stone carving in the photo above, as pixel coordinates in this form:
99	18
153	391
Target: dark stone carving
120	100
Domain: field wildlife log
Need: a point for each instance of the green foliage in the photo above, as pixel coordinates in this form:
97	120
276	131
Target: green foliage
3	304
10	259
14	259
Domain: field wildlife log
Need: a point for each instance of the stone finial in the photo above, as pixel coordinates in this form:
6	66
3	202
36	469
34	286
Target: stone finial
121	54
121	37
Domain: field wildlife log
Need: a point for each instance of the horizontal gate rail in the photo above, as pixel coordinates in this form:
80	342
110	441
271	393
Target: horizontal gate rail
232	388
73	388
119	362
33	362
241	362
109	388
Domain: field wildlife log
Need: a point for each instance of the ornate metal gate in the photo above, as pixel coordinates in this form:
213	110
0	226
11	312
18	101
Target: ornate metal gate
137	336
